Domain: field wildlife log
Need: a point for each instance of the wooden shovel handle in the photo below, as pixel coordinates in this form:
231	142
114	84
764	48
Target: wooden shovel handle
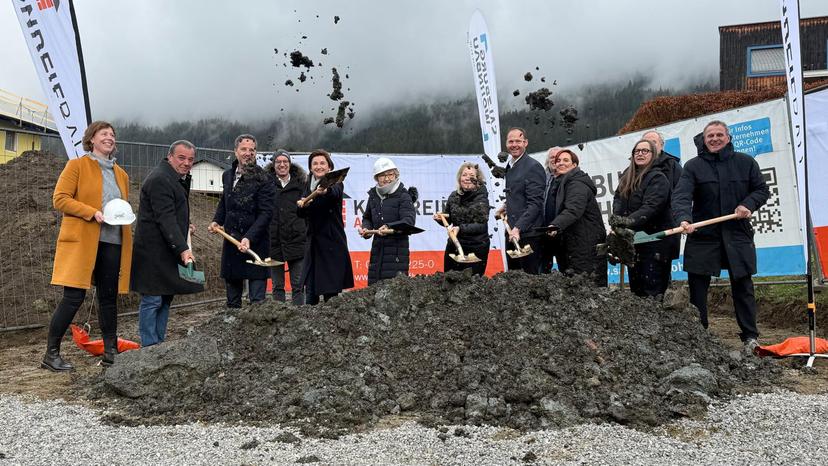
236	242
703	223
451	233
306	200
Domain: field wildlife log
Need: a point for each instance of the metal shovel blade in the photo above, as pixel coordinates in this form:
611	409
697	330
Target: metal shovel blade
268	262
522	252
190	274
469	258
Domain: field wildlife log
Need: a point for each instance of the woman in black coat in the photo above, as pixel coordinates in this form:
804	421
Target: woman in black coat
643	196
578	221
328	268
467	208
288	232
389	203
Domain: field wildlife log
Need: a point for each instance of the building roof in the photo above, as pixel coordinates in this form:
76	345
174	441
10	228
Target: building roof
773	24
27	113
667	109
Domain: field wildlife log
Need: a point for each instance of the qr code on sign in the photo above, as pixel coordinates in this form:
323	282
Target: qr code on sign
768	219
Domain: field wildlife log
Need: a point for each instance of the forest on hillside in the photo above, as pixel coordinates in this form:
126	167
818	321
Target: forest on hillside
433	127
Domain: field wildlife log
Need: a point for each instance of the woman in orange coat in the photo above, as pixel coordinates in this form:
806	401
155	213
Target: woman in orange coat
88	247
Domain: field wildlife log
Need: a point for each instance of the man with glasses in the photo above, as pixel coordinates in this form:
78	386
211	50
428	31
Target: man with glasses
718	182
244	211
288	232
525	183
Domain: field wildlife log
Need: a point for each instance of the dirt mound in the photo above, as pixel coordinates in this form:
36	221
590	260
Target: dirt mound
516	350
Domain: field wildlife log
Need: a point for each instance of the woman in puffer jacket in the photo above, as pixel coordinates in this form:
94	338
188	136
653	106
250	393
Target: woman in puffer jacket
389	204
468	213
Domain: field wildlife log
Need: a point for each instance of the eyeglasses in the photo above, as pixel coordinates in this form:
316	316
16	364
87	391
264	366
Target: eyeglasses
387	176
641	151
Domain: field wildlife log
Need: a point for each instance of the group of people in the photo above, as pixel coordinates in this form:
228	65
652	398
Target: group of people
297	218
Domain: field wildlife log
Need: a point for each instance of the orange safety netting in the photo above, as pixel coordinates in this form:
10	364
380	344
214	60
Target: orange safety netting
793	345
96	347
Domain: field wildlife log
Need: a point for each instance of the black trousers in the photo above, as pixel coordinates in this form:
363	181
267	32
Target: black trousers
744	301
105	274
478	268
529	264
650	277
548	250
256	289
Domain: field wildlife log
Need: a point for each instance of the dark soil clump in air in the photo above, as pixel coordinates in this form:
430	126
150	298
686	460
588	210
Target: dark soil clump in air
569	116
289	82
527	76
516	350
539	100
324	51
336	94
297	60
328	121
516	93
302	77
336	19
340	113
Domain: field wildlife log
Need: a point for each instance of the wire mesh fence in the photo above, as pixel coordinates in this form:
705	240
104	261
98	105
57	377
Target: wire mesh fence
29	226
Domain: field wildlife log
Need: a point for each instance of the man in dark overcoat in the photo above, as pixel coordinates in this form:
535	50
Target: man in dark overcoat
244	211
525	184
288	232
160	242
718	182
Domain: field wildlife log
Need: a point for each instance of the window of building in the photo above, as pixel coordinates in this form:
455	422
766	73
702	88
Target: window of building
11	139
766	60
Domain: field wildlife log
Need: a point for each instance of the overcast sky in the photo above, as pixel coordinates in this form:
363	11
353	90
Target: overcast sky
156	60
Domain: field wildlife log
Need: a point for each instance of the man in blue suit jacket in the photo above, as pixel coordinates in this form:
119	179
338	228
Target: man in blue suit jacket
525	183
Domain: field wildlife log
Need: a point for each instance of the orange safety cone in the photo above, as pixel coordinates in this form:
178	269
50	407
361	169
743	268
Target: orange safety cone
96	347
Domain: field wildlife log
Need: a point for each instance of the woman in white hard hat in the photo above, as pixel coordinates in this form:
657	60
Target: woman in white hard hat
389	204
95	241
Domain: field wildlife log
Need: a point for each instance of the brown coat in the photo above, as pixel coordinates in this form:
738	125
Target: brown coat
79	194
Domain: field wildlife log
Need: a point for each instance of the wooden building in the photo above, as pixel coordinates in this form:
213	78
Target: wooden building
751	55
22	122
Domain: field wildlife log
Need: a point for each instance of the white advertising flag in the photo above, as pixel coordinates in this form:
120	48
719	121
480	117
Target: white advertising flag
485	86
796	103
49	31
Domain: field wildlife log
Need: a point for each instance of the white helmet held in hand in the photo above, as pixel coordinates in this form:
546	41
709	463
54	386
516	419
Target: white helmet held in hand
118	212
383	164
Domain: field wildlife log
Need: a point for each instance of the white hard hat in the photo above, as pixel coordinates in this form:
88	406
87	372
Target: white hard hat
383	164
118	212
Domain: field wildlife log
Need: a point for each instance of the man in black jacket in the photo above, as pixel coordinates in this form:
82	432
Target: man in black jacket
245	210
288	232
160	242
719	182
525	183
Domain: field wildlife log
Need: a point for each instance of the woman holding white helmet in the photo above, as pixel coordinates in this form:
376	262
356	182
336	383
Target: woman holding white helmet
95	241
389	204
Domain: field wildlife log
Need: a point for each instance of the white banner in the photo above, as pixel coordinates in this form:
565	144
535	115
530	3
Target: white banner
816	122
796	111
434	176
760	131
50	35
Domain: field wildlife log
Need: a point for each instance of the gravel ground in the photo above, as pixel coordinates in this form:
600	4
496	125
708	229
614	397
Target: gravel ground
776	428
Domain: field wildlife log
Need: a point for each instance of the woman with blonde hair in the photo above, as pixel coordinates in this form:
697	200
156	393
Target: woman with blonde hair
467	208
643	197
91	245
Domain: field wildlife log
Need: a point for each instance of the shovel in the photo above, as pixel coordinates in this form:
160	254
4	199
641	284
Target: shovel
330	178
459	257
268	262
641	237
188	272
396	227
518	252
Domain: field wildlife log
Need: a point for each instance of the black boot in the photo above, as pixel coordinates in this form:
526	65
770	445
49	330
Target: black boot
52	359
110	350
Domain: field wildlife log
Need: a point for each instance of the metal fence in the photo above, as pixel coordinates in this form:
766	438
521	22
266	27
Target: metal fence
29	225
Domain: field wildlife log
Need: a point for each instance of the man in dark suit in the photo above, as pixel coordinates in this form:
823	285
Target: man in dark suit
718	182
245	210
160	242
525	183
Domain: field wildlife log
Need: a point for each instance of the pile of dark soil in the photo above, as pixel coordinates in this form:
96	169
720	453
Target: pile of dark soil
516	350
